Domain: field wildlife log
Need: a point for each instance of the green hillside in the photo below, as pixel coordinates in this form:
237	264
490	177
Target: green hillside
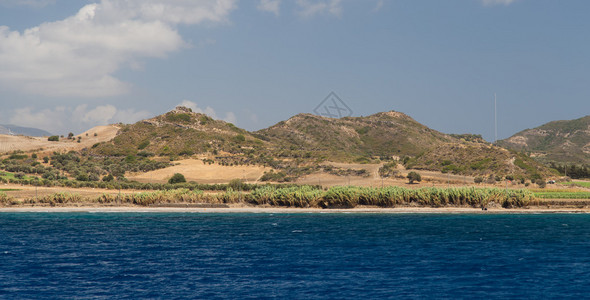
558	141
479	159
299	145
354	138
180	132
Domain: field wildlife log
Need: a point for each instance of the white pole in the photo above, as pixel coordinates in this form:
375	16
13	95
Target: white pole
495	120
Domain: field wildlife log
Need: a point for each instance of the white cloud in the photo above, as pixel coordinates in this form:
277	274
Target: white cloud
229	116
129	116
494	2
310	8
74	119
78	56
269	6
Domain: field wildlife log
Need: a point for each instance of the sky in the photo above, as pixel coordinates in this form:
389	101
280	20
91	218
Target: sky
66	66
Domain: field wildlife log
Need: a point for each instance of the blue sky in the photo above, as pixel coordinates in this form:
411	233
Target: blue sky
70	65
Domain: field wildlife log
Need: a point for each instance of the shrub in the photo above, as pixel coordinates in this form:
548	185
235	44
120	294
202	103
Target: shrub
143	145
5	199
178	118
236	184
53	138
414	176
272	176
478	179
491	179
176	178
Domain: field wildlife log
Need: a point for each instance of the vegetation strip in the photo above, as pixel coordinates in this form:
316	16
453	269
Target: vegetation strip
303	196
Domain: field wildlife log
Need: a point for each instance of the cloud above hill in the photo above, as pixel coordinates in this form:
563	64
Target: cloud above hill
78	56
229	116
63	119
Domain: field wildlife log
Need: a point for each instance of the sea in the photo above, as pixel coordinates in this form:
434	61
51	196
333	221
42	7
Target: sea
146	255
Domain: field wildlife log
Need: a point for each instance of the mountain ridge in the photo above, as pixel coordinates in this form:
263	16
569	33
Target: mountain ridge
20	130
299	144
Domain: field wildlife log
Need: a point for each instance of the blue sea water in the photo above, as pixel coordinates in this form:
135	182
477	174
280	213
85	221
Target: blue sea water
293	256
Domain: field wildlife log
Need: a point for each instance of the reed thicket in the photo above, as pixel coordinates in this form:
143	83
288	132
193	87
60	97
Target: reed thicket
349	197
308	196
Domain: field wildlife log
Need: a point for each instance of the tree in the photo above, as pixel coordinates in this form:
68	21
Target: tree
53	138
413	176
387	170
177	178
70	136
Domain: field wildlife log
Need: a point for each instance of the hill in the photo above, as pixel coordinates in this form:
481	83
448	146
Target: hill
388	135
557	141
479	159
27	131
180	132
9	143
302	144
359	139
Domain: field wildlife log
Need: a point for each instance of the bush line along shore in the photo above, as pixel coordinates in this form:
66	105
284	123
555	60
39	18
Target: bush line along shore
300	197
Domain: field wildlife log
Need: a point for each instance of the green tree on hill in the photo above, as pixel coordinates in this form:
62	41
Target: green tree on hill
413	176
177	178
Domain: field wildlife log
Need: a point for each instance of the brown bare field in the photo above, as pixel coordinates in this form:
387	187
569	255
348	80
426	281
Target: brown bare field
196	170
429	178
10	143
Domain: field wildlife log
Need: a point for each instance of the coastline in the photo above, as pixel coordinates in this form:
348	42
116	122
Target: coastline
288	210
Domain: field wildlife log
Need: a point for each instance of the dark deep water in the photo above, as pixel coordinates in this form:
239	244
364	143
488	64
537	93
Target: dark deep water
236	256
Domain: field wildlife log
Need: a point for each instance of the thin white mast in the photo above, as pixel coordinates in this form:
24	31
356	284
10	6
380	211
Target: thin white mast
495	120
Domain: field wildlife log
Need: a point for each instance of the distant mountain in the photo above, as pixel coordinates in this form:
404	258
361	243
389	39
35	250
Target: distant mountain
557	141
18	130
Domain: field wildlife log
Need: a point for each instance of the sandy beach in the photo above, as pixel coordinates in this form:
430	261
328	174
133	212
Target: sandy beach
286	210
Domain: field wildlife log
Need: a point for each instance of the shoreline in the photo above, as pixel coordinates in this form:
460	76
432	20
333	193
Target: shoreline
290	210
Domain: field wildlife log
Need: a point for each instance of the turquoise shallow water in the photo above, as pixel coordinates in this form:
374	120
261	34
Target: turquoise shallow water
305	256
